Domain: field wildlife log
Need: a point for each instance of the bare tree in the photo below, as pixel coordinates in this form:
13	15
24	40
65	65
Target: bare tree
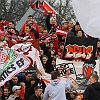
1	4
64	9
14	9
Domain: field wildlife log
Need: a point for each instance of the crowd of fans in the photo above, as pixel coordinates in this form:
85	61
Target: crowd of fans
52	41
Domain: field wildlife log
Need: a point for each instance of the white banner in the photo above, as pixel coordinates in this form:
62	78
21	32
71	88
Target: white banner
88	15
11	63
80	71
30	51
26	49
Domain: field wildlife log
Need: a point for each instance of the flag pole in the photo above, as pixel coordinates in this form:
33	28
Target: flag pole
99	70
57	13
61	17
30	2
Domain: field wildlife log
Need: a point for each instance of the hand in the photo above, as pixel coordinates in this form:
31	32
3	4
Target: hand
38	76
63	19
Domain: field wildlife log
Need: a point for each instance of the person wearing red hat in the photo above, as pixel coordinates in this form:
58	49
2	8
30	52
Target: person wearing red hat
34	26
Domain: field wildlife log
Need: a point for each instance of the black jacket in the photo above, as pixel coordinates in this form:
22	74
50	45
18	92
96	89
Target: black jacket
92	92
18	98
5	97
35	33
29	91
34	97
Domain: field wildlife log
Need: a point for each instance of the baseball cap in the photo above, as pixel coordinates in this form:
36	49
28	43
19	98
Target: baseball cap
15	87
64	21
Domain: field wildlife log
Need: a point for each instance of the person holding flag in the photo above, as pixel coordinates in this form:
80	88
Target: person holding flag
30	21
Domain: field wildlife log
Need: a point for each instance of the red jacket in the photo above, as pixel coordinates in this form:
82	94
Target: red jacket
35	26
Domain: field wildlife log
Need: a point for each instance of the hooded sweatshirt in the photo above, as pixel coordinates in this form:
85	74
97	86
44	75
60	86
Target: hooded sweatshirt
56	90
92	92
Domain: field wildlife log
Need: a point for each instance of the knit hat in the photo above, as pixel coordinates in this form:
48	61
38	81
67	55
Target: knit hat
77	23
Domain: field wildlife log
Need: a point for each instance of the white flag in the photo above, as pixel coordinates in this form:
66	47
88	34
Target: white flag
88	15
11	63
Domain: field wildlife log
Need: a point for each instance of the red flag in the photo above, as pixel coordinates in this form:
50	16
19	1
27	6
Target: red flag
42	7
22	91
49	8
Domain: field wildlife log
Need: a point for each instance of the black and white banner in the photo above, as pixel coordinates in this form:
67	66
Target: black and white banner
80	71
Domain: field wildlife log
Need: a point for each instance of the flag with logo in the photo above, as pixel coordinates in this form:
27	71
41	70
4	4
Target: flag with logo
83	49
79	71
11	63
31	50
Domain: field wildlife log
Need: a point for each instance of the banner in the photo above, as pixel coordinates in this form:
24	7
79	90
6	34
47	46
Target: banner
31	50
80	71
87	13
82	49
11	63
42	7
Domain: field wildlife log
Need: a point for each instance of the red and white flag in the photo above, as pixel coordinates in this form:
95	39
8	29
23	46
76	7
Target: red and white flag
49	8
37	5
31	50
42	7
11	63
